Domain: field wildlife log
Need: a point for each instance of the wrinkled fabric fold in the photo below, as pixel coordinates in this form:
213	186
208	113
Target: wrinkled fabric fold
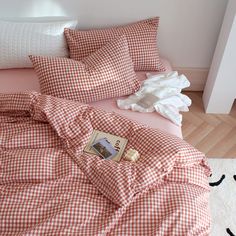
167	88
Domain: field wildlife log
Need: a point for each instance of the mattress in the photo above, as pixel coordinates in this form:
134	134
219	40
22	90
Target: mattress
17	80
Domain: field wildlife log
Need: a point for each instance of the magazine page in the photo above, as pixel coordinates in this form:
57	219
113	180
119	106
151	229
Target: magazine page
117	142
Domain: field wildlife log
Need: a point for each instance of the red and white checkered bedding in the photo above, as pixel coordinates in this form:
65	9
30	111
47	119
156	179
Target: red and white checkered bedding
48	186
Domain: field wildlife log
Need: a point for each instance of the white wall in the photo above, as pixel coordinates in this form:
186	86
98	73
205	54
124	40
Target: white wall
188	32
220	89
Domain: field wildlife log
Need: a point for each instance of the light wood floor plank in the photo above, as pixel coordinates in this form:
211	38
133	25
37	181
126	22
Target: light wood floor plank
221	148
209	119
216	136
199	133
193	119
227	119
231	153
188	128
213	134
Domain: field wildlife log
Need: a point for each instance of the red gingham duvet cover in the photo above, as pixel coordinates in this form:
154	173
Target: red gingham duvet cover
48	186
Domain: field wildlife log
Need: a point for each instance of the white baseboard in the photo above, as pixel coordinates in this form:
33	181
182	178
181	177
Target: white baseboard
196	76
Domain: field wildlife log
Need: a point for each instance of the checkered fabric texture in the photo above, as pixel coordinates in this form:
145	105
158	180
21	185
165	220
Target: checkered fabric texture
106	73
141	37
48	186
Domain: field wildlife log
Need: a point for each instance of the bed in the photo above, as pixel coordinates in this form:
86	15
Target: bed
49	185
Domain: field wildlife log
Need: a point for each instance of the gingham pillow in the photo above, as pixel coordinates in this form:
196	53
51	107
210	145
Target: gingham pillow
141	37
106	73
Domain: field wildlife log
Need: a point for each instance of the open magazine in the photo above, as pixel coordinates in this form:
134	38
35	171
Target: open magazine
106	145
104	148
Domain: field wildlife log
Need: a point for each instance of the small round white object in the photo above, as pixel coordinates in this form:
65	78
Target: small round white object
132	155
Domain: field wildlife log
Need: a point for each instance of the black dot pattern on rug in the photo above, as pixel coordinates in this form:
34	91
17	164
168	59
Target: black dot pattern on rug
213	184
229	232
235	177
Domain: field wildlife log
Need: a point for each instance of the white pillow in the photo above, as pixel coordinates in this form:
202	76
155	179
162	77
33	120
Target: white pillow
20	39
40	19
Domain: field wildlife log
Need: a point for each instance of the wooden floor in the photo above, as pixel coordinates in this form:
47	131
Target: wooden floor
215	135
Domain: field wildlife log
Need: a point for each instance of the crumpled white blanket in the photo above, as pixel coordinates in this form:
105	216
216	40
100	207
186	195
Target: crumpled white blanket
167	88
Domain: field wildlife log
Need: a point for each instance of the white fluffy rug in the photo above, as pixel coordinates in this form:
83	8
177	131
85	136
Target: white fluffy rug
223	196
